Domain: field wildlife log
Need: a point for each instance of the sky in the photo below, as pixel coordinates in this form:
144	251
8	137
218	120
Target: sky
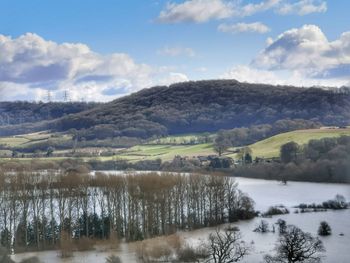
99	50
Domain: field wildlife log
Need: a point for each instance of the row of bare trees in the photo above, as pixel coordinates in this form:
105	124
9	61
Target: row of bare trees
38	210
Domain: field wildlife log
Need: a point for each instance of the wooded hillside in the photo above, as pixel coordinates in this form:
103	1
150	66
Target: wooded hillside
203	106
19	112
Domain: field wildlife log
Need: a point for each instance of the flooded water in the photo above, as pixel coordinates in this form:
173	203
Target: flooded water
265	194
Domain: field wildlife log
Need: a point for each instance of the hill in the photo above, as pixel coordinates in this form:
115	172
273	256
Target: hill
270	147
19	112
202	106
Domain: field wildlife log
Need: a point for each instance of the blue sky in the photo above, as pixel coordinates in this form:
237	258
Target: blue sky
100	50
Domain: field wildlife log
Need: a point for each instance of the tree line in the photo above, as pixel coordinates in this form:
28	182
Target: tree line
41	210
20	112
245	136
324	160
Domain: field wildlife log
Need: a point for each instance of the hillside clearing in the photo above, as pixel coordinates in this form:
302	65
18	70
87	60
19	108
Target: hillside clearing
270	147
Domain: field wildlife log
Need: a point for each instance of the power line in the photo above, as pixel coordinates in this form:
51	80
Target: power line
66	96
48	96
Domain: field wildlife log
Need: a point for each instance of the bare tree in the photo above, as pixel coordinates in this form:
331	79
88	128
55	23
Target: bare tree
226	247
282	226
296	246
263	227
40	210
221	143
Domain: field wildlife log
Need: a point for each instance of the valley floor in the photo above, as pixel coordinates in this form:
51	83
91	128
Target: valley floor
265	193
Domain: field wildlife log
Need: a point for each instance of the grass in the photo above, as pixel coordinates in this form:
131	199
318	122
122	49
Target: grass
271	147
144	152
165	152
20	140
25	140
267	148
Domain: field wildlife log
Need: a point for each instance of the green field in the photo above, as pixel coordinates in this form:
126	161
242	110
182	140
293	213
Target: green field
266	148
165	152
271	147
21	140
168	147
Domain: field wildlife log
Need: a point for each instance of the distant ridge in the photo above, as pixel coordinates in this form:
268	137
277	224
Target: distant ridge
202	106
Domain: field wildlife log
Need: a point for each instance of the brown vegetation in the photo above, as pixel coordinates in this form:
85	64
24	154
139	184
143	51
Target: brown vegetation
73	209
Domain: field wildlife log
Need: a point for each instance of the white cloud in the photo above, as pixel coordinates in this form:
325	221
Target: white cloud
303	7
307	50
31	59
249	74
177	51
14	91
256	27
200	11
173	78
197	11
300	57
251	9
30	65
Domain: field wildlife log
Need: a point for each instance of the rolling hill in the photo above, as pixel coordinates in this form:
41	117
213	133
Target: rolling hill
202	106
270	147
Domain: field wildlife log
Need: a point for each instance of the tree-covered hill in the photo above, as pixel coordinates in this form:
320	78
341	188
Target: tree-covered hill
19	112
204	106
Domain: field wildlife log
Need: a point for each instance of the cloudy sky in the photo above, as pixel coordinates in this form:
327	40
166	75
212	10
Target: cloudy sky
101	50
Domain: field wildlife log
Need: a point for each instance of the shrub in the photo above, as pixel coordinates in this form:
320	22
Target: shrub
276	210
282	226
324	229
66	245
84	244
158	249
263	227
187	254
4	256
113	259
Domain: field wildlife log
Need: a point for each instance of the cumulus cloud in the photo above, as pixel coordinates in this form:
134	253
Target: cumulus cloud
303	7
177	51
197	11
308	50
301	57
256	27
29	65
